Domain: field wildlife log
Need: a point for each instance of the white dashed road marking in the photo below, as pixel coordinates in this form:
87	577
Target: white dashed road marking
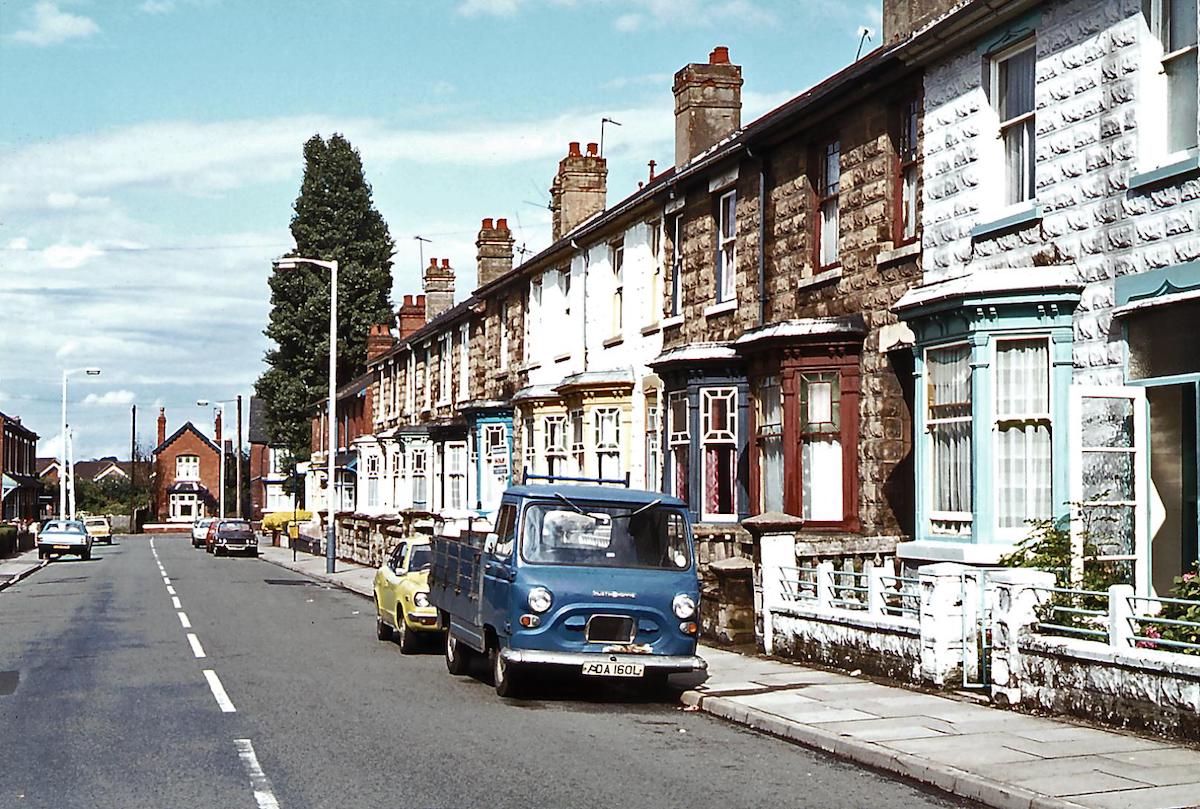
218	691
175	603
170	590
183	619
197	649
264	794
166	580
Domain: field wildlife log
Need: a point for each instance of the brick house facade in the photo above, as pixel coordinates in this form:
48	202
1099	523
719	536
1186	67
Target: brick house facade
18	470
187	472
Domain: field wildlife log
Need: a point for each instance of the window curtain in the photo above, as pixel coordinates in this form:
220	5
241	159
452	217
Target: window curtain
1023	443
949	375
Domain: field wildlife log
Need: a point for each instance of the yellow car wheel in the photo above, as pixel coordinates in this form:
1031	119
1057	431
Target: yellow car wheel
406	637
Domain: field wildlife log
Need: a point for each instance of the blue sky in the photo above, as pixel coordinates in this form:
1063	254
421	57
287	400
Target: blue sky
151	152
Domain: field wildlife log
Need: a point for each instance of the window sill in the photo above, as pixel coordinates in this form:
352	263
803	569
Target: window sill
529	366
820	278
653	328
1019	216
563	357
615	340
721	308
910	250
674	320
1182	166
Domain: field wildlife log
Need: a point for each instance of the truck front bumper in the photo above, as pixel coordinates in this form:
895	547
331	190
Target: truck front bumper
659	663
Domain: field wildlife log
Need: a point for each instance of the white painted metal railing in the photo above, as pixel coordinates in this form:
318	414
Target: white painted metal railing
870	590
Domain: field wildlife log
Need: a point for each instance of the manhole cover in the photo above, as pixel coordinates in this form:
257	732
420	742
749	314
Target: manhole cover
8	682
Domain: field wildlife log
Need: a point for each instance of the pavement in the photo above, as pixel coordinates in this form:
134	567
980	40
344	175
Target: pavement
15	568
969	749
157	675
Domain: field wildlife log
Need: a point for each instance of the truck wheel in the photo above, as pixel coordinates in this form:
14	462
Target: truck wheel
86	555
505	676
405	636
458	657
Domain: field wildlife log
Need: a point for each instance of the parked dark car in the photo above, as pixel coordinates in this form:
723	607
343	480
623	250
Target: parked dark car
231	536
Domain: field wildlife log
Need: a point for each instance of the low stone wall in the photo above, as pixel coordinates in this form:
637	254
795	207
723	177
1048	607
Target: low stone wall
1135	688
879	646
724	561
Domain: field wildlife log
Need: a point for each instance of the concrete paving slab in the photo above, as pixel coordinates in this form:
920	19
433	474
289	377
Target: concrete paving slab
848	692
1172	797
732	687
1174	775
1164	757
885	729
1085	743
986	742
801	677
1063	786
1046	768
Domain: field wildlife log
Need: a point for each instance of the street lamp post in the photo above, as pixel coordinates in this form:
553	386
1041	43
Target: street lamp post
62	468
221	404
291	263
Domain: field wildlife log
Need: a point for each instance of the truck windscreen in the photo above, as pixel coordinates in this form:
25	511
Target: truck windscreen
605	536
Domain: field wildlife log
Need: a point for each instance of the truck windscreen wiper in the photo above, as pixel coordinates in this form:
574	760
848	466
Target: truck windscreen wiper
570	503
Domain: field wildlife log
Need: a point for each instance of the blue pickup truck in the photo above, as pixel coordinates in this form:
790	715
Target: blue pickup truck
589	578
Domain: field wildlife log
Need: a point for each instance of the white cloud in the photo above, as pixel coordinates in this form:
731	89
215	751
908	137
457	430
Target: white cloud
629	22
19	243
69	256
157	6
50	25
112	397
67	348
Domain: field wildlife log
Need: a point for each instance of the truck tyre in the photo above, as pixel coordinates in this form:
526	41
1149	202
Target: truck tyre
458	656
505	676
86	555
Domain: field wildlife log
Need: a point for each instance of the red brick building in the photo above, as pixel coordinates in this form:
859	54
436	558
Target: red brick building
18	469
187	470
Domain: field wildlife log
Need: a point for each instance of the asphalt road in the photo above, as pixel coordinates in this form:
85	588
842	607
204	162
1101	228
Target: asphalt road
104	702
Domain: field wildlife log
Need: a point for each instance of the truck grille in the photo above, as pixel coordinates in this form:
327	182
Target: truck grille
611	629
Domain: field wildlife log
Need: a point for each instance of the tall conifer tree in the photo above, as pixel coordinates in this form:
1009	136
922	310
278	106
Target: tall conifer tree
335	219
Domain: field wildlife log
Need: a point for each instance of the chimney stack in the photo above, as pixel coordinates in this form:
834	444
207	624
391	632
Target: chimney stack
162	426
411	315
494	251
439	288
379	341
708	104
579	188
217	428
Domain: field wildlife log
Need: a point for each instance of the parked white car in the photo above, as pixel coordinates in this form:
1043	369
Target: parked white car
64	536
200	531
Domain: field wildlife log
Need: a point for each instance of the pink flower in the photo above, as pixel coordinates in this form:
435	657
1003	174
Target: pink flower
1189	576
1149	632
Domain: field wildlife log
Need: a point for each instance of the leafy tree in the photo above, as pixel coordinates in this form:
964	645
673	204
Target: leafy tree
335	219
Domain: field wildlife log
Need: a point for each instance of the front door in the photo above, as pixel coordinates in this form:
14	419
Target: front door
1173	477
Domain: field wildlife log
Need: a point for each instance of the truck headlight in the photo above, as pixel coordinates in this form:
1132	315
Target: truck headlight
540	599
683	606
421	599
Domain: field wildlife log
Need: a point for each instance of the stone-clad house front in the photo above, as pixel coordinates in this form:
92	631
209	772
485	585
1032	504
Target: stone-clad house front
1055	362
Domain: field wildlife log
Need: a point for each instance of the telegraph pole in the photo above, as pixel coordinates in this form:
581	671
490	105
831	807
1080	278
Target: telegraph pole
238	454
132	468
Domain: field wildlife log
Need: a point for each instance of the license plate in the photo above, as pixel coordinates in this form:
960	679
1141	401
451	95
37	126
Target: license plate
62	547
606	668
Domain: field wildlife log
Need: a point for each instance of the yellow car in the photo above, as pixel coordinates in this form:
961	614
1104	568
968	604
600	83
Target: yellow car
98	529
402	606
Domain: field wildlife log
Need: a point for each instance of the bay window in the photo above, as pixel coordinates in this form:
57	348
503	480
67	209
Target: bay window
372	469
948	420
653	439
1023	422
718	439
1013	82
420	480
769	439
554	438
821	447
530	441
726	278
678	443
608	442
456	475
578	448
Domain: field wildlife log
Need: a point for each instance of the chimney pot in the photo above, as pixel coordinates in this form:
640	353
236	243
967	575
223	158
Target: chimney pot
408	300
719	56
487	224
573	149
593	149
501	224
445	264
433	262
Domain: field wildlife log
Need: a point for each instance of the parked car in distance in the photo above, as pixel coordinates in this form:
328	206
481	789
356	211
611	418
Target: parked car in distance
64	536
99	529
231	536
402	605
200	531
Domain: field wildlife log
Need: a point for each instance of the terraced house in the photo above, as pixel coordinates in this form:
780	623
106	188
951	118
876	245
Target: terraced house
1054	350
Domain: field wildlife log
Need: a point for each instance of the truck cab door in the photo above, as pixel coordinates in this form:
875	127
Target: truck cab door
499	571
